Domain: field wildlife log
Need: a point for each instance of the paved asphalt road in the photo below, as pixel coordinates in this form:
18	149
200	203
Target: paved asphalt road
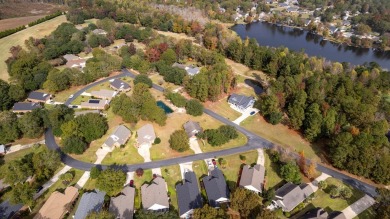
254	142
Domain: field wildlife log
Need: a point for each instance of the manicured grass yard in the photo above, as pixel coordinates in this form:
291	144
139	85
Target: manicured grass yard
172	176
223	108
272	177
126	155
158	79
233	166
37	31
322	198
200	168
281	134
138	182
239	141
62	96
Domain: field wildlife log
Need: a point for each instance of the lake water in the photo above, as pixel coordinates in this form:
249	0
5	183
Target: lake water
295	39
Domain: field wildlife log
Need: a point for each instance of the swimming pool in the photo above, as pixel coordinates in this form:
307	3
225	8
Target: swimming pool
166	108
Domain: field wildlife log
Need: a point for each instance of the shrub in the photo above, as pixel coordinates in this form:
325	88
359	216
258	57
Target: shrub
290	172
346	192
322	185
179	141
194	107
157	140
95	172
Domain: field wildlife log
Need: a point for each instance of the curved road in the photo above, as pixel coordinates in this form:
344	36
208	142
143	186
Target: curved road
254	142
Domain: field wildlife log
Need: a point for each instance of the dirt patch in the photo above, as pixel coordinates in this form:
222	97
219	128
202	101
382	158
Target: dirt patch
17	22
25	9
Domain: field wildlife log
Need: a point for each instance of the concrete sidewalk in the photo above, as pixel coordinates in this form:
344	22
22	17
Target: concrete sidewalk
53	180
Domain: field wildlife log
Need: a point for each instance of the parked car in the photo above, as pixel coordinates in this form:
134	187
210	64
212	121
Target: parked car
131	184
38	189
214	162
71	96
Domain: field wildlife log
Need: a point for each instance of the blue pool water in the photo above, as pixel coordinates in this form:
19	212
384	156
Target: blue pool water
166	108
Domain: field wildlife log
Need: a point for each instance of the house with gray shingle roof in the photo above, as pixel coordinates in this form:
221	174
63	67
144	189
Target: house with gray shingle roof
95	104
290	195
241	102
38	97
70	57
192	128
24	107
118	138
99	32
104	94
122	206
154	195
146	135
119	85
216	188
188	195
252	178
89	202
190	69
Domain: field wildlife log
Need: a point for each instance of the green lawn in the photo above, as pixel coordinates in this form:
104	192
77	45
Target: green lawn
272	178
323	200
200	168
240	141
126	155
138	182
172	175
233	166
369	213
223	108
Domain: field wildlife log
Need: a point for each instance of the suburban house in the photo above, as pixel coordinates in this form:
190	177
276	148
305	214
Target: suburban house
122	206
316	213
77	63
118	138
99	32
192	128
104	94
216	188
290	195
146	135
38	97
24	107
119	85
94	104
57	205
252	178
70	57
241	102
90	202
188	195
83	112
191	70
2	149
154	195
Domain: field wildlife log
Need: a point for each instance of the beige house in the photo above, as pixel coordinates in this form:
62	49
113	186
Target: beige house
104	94
154	195
94	104
58	204
146	135
118	138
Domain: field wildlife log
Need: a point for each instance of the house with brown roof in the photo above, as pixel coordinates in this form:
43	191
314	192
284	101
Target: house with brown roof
122	206
104	94
25	107
118	138
154	195
94	104
252	178
146	135
38	97
58	204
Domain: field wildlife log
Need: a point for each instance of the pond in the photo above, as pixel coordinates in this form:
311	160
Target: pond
163	106
255	85
295	39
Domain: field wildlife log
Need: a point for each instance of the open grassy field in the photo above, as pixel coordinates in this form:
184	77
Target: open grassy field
240	141
12	23
14	9
233	166
281	134
172	176
37	31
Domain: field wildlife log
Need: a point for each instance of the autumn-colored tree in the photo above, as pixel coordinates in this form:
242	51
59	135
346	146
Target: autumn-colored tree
302	162
153	54
311	170
355	131
139	172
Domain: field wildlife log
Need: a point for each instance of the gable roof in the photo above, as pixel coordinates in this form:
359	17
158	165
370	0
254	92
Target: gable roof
146	134
94	104
120	136
192	128
69	57
35	95
240	100
119	84
56	206
76	63
215	186
191	70
25	106
90	201
253	176
103	93
99	31
122	206
291	195
155	193
188	195
316	213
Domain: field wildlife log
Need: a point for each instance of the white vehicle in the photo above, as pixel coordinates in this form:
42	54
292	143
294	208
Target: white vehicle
71	96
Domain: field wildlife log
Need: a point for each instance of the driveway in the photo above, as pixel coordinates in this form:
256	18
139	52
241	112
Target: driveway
194	145
185	167
245	115
100	154
260	157
84	178
53	180
145	152
358	207
129	176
